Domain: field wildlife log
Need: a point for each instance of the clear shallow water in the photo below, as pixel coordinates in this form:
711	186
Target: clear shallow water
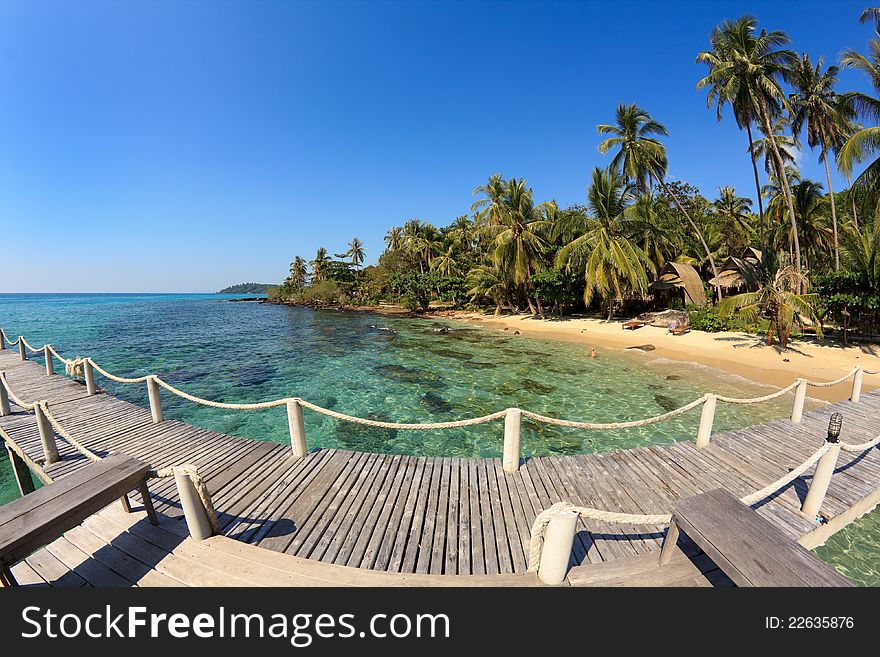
372	366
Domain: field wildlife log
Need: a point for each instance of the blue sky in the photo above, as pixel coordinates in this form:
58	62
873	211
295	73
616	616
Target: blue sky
185	146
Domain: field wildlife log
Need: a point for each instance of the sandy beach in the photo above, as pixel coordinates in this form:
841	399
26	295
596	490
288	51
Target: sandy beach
738	353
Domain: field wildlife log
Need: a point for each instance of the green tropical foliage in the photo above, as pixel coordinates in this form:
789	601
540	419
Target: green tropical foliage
819	247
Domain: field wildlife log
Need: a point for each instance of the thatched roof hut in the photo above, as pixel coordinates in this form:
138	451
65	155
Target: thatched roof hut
738	274
752	255
677	276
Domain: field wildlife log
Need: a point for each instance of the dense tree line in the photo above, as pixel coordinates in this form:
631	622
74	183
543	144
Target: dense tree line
820	246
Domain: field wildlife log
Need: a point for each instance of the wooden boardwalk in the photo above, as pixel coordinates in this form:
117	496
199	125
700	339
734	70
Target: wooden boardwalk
421	515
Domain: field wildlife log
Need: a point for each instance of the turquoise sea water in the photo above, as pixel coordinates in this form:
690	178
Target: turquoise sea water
373	366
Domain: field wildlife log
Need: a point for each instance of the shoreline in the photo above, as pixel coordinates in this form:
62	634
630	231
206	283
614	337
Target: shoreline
737	353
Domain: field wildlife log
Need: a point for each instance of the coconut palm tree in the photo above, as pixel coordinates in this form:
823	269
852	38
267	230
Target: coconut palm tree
788	146
641	159
736	209
394	240
298	273
319	265
748	67
780	300
462	232
657	231
517	236
815	104
445	263
490	207
613	264
487	281
812	219
356	252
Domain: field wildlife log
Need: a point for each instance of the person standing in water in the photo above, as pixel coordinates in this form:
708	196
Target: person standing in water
592	352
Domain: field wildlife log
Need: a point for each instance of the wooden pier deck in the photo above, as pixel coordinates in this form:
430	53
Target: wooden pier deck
404	518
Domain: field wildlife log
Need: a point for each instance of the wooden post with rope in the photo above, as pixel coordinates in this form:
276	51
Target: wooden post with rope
193	509
800	396
297	428
50	369
89	375
707	418
155	400
556	553
512	431
47	435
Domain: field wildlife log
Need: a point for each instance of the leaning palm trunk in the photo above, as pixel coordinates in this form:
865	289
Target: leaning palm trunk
697	231
757	189
833	205
783	181
852	200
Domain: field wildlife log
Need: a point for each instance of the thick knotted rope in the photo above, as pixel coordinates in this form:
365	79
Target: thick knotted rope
402	425
113	377
61	431
759	495
75	367
29	347
18	401
862	447
192	472
208	402
758	400
615	425
828	384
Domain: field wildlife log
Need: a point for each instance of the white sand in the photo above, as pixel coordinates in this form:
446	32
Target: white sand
739	353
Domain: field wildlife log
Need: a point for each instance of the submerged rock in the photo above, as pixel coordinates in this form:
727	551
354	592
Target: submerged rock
436	403
666	403
534	386
644	347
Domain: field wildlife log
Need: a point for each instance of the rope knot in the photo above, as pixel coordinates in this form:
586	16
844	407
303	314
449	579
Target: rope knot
74	367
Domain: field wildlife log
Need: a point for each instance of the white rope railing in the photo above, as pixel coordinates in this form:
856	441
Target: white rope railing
828	384
113	377
862	447
74	367
29	347
28	406
401	425
758	400
61	431
614	425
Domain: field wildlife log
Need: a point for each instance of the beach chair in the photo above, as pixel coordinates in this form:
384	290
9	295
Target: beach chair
679	330
633	325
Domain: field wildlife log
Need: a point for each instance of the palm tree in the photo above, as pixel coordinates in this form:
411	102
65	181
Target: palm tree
746	69
356	252
298	273
779	299
445	263
812	220
490	207
516	237
734	208
815	104
319	264
612	263
787	145
394	240
487	281
641	158
657	231
462	232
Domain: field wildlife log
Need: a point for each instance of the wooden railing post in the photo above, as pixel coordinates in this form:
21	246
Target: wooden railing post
89	375
155	399
193	510
707	418
47	436
821	481
297	428
512	429
800	396
558	542
22	473
4	401
50	369
2	340
22	352
857	385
